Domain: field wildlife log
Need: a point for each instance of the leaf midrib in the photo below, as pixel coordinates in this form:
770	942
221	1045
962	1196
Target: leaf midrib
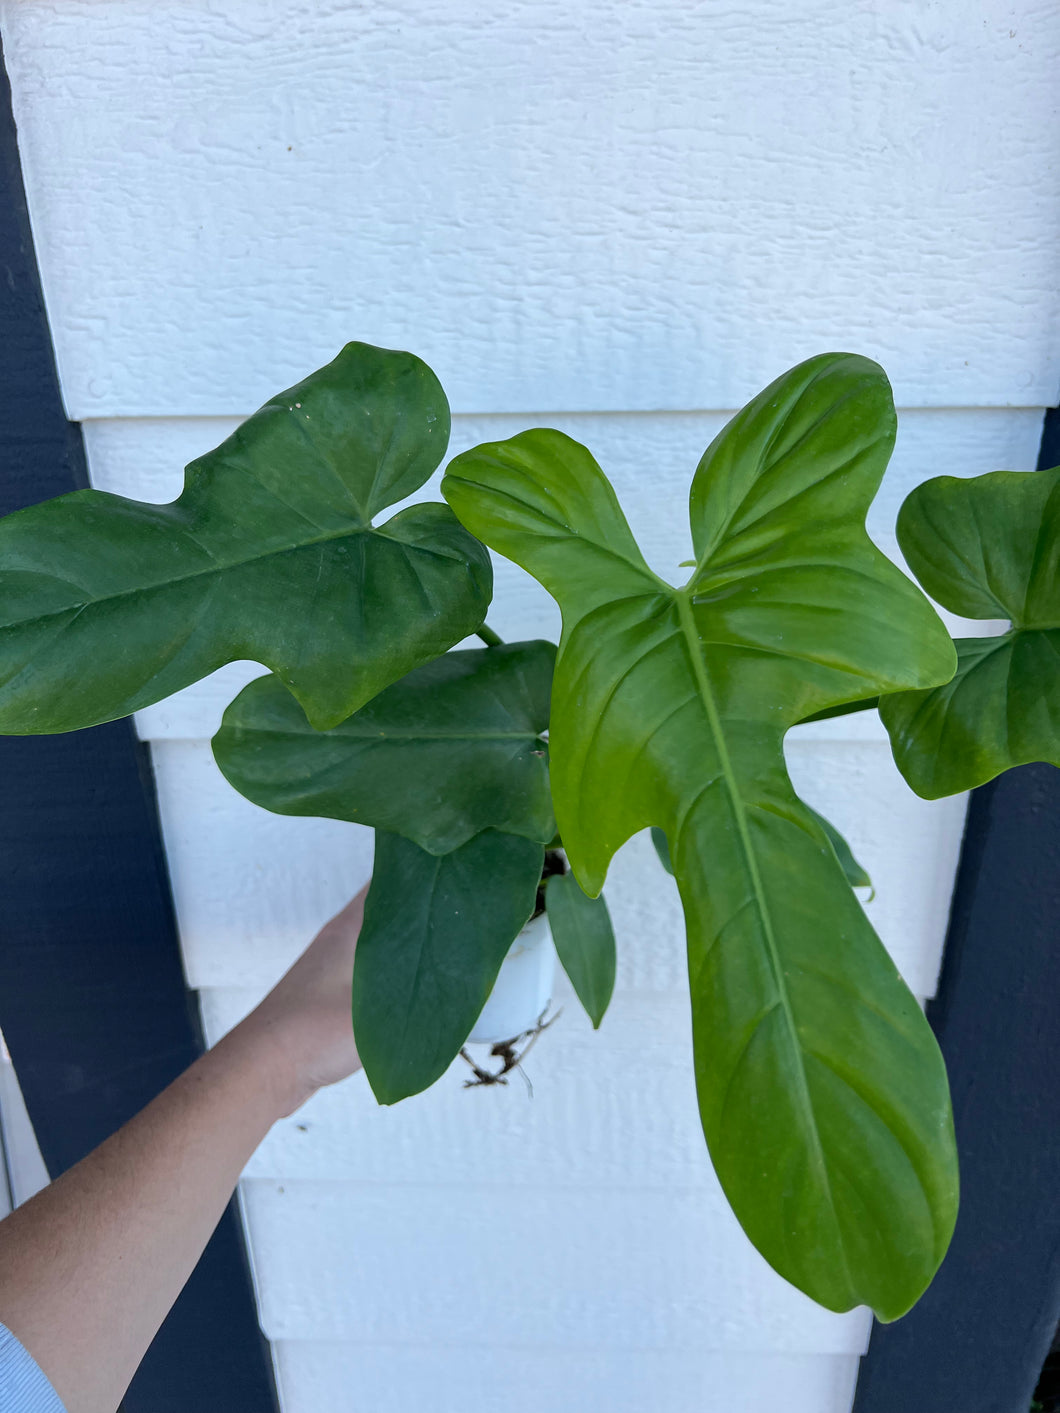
426	945
991	645
684	607
214	569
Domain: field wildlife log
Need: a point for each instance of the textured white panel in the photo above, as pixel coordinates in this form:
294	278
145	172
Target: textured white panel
908	845
362	1378
650	460
482	1262
251	887
615	1108
196	712
597	206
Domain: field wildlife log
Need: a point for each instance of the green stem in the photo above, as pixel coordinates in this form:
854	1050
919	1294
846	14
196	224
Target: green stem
489	637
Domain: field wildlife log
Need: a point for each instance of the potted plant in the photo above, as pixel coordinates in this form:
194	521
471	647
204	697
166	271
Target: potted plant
450	766
822	1092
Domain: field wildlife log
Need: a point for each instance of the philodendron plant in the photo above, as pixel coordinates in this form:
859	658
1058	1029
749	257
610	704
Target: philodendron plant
822	1092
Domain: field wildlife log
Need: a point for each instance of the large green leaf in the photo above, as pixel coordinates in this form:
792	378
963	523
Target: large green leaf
985	547
822	1092
436	929
108	604
585	942
853	871
453	748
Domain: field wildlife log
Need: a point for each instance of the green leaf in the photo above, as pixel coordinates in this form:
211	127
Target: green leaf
985	547
856	874
822	1092
662	848
108	604
436	929
853	872
585	942
453	748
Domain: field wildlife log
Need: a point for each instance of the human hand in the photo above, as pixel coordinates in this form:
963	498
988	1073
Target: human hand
304	1024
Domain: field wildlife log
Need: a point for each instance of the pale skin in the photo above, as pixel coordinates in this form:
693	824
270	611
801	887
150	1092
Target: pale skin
90	1266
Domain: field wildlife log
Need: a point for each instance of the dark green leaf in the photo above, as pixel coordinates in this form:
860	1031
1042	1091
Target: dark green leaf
585	943
854	873
822	1091
986	547
436	929
107	604
844	709
453	748
662	848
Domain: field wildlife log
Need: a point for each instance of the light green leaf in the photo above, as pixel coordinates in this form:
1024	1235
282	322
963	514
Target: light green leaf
822	1092
853	872
585	942
436	929
108	604
453	748
985	547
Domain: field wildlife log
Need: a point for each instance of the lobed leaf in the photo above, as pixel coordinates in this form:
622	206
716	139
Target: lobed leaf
455	747
984	547
109	604
854	872
822	1092
436	929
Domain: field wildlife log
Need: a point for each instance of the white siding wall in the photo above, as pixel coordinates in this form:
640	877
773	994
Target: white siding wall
622	219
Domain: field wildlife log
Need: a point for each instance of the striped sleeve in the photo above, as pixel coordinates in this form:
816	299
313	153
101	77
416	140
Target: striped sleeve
23	1387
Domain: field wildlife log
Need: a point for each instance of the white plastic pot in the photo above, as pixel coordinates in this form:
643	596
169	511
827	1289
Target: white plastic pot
523	987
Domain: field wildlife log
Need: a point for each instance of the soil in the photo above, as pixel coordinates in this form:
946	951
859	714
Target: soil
554	863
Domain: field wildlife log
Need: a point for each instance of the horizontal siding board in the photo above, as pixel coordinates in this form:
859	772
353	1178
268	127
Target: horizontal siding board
610	1110
643	454
599	207
908	845
613	1110
250	887
484	1263
325	1377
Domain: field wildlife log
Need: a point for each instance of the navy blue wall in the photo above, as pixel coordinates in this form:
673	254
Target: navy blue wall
976	1341
92	997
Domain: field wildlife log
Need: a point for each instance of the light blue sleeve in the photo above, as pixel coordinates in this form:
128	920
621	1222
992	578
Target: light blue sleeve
23	1388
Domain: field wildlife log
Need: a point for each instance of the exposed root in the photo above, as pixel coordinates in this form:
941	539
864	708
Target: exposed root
510	1055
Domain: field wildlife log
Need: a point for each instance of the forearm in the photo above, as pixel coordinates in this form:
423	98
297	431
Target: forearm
90	1267
94	1262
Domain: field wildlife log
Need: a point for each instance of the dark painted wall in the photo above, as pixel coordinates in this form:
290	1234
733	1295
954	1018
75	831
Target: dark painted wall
976	1341
92	997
